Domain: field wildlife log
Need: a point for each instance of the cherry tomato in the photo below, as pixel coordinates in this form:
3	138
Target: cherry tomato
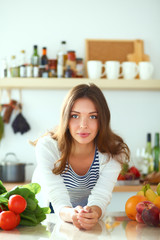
8	220
17	203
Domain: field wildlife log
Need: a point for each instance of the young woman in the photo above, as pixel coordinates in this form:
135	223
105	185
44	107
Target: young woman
79	162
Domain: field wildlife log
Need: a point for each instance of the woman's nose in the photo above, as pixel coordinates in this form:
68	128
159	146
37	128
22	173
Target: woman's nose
83	123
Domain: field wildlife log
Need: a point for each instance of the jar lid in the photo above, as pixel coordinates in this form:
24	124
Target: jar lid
79	59
71	51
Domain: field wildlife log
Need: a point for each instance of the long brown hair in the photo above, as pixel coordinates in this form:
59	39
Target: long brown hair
106	140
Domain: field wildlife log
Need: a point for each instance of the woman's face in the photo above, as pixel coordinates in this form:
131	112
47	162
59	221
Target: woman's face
83	122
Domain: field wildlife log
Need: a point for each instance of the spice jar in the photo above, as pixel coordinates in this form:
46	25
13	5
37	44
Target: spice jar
79	68
71	61
52	63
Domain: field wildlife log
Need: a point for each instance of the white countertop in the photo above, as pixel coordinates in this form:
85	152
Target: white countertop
115	226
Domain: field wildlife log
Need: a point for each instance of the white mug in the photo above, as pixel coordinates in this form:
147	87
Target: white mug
94	69
129	70
145	70
112	69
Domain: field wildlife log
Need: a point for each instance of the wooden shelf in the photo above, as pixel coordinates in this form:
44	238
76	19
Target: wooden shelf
67	83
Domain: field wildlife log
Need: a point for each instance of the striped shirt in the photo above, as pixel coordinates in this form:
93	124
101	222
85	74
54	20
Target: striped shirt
79	187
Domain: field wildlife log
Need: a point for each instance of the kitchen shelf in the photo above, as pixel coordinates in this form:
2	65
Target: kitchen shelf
67	83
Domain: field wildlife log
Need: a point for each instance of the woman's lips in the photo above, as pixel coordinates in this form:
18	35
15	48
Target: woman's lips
83	135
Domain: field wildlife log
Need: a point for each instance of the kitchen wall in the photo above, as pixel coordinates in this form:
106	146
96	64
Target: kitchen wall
45	23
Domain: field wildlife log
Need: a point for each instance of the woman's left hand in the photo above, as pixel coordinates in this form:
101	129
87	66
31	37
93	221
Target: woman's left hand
88	217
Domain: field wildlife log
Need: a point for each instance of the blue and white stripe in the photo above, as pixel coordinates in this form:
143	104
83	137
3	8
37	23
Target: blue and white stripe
79	187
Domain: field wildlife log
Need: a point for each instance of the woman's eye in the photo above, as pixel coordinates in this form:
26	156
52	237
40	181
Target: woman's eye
93	117
74	116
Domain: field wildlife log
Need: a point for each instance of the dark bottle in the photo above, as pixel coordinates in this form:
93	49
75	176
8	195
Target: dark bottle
43	70
44	58
156	153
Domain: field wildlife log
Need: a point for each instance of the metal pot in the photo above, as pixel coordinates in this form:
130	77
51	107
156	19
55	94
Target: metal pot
11	170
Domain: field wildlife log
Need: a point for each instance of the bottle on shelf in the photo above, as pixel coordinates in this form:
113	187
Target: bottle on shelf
44	58
13	67
61	60
22	64
156	153
148	154
43	68
35	61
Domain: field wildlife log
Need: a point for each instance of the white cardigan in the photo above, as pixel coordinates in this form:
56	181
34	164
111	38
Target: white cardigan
54	190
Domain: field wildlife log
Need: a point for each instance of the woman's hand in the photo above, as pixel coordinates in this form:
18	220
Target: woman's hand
81	217
76	212
88	216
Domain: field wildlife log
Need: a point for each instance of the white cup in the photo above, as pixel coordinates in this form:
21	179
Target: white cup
145	70
129	70
112	69
94	69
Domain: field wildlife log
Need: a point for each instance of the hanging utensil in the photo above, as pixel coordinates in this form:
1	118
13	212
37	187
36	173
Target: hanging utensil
9	108
20	124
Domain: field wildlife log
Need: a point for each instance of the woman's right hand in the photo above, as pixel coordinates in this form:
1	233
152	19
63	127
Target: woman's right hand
75	217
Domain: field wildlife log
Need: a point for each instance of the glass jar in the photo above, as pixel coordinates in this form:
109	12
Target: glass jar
79	68
52	63
71	61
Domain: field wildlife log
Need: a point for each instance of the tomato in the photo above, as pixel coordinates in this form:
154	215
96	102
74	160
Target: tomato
18	219
8	220
17	203
135	171
120	177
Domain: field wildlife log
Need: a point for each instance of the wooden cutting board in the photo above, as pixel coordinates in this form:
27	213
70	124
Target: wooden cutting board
138	54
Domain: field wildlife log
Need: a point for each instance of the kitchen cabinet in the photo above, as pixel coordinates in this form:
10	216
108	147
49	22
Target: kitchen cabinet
66	83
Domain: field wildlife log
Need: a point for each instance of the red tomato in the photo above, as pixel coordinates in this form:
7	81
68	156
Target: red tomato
135	171
120	177
17	203
8	220
18	219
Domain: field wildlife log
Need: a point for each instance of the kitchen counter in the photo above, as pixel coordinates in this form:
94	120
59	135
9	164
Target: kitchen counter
117	188
115	226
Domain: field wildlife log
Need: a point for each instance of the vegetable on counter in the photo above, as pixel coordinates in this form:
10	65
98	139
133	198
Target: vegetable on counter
128	173
17	203
33	213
